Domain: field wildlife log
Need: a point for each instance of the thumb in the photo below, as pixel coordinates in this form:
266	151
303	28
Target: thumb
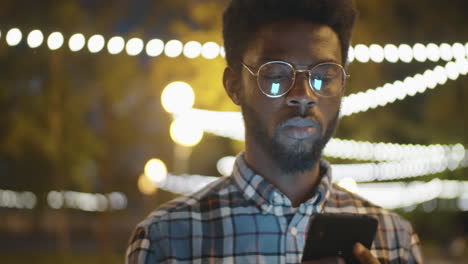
364	255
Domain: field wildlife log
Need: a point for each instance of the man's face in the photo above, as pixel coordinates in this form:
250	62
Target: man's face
294	128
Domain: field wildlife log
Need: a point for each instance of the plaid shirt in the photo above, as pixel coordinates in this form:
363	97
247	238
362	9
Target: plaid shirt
245	219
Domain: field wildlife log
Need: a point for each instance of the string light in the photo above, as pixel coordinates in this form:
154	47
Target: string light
185	184
401	195
210	50
90	202
231	125
346	174
18	200
399	90
350	149
405	169
390	195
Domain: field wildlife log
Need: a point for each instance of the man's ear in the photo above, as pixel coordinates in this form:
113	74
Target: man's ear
231	82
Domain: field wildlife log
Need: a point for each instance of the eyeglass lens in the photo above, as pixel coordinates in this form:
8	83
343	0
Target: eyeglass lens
275	79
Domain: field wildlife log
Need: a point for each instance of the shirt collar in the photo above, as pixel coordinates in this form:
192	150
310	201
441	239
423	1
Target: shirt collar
269	199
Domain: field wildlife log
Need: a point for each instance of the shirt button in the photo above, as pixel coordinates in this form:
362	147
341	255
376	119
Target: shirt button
293	231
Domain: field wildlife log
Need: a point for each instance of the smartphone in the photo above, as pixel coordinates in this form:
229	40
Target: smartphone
334	235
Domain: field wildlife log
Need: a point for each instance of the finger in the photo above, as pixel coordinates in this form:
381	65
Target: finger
364	255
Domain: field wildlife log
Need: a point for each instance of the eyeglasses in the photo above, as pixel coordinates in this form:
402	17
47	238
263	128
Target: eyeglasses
276	78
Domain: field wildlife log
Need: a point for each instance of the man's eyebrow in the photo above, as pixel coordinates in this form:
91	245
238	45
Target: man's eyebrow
324	61
265	59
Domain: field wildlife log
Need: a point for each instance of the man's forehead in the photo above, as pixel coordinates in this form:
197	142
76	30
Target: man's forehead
294	41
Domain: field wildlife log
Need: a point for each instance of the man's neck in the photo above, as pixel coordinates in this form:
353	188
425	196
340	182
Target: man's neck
298	187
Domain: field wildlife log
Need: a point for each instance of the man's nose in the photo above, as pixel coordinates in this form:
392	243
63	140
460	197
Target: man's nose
301	94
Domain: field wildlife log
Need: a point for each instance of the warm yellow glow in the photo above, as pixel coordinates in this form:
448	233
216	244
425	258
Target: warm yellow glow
186	131
156	170
146	186
349	184
177	97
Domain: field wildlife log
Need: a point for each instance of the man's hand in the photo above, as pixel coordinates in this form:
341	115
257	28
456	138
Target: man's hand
361	253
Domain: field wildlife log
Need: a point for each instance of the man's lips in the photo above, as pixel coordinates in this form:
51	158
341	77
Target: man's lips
299	128
300	122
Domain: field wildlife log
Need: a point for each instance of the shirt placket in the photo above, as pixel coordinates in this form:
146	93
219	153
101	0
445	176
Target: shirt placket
295	238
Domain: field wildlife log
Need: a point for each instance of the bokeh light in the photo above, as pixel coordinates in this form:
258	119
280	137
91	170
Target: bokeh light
13	37
96	43
192	49
76	42
405	53
146	186
433	52
458	50
349	184
210	50
134	46
376	53
115	45
391	53
177	97
361	53
173	48
156	170
154	47
445	51
350	54
35	38
55	41
186	131
225	165
419	52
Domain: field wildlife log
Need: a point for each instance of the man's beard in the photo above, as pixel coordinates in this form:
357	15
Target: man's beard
293	158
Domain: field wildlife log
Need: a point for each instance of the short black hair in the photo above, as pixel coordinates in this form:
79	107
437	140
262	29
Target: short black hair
243	18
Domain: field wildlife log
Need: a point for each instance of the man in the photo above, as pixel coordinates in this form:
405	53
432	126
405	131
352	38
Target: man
285	70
